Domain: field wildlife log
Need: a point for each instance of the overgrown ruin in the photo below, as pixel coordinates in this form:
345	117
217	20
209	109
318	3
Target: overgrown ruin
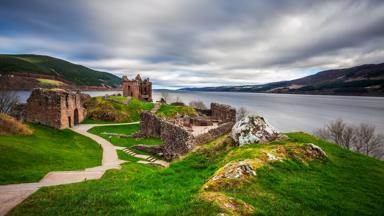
137	88
53	107
182	133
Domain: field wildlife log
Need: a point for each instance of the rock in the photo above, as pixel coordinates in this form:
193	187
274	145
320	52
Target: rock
314	151
253	129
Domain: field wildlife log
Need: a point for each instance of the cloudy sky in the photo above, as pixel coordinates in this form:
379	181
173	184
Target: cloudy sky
179	43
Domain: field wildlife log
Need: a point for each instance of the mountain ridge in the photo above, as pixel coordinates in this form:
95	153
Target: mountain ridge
43	66
367	79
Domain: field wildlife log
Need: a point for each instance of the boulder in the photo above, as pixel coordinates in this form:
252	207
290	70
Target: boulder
253	129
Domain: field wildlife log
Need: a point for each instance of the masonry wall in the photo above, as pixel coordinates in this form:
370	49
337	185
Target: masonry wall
177	141
223	112
150	125
214	133
55	108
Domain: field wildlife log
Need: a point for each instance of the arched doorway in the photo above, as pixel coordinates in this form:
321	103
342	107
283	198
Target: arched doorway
76	117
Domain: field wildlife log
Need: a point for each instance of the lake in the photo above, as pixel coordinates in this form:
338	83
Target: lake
287	112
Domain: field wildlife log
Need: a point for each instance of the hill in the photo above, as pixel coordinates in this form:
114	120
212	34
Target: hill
34	67
360	80
343	183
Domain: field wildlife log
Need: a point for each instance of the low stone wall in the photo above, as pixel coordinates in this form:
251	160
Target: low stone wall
223	112
213	133
150	125
177	141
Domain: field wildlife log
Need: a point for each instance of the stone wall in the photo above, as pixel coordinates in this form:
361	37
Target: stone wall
214	133
223	113
177	141
55	108
150	125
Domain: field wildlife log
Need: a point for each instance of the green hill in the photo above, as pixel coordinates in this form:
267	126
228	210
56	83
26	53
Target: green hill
46	65
344	183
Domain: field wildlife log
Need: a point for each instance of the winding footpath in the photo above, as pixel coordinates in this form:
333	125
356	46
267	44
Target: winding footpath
11	195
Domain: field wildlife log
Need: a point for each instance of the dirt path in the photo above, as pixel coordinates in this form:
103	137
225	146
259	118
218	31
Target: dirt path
11	195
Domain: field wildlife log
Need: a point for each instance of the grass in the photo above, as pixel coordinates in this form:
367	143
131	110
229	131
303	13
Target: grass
101	110
27	158
50	82
169	111
346	183
123	129
121	99
124	156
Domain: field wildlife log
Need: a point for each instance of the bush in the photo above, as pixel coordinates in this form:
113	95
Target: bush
10	126
198	105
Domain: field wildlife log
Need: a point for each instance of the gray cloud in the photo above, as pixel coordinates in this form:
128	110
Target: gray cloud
199	43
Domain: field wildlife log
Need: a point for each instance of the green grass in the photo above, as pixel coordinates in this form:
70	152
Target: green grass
123	129
169	111
50	82
346	183
27	158
38	64
101	110
124	156
121	99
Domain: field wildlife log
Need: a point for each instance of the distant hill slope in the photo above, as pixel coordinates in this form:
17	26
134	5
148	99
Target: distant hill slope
57	68
360	80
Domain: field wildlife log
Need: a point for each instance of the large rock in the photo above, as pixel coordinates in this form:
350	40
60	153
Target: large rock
253	129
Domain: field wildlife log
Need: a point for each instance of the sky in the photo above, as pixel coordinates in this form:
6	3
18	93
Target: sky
195	43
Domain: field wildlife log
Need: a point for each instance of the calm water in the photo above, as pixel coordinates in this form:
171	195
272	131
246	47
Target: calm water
288	112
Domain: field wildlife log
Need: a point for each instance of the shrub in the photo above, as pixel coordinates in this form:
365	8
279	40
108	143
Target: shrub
10	126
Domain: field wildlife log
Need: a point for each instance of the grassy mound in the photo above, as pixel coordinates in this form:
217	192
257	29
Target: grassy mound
101	110
169	111
346	183
9	126
27	158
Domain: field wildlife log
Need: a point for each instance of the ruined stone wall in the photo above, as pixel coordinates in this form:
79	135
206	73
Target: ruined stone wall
223	112
55	108
213	133
177	141
137	88
150	125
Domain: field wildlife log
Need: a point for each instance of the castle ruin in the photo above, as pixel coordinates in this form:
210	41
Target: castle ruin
137	88
182	133
53	107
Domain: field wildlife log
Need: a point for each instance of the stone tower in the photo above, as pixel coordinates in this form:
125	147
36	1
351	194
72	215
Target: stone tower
137	88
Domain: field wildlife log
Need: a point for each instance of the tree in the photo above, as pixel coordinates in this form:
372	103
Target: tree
8	99
241	113
361	138
198	105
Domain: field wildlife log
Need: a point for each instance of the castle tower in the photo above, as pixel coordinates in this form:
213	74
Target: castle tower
137	88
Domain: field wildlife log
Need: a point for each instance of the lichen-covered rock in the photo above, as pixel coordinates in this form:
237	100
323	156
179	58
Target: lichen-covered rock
314	151
253	129
229	204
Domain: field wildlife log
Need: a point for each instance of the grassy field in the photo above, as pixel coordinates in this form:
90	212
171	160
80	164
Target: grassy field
50	82
101	110
346	183
123	129
27	158
167	110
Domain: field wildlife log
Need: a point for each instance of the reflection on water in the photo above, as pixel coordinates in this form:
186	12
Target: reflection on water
287	112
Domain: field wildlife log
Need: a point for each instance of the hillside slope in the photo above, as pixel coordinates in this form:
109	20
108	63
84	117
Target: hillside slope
344	183
360	80
56	69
